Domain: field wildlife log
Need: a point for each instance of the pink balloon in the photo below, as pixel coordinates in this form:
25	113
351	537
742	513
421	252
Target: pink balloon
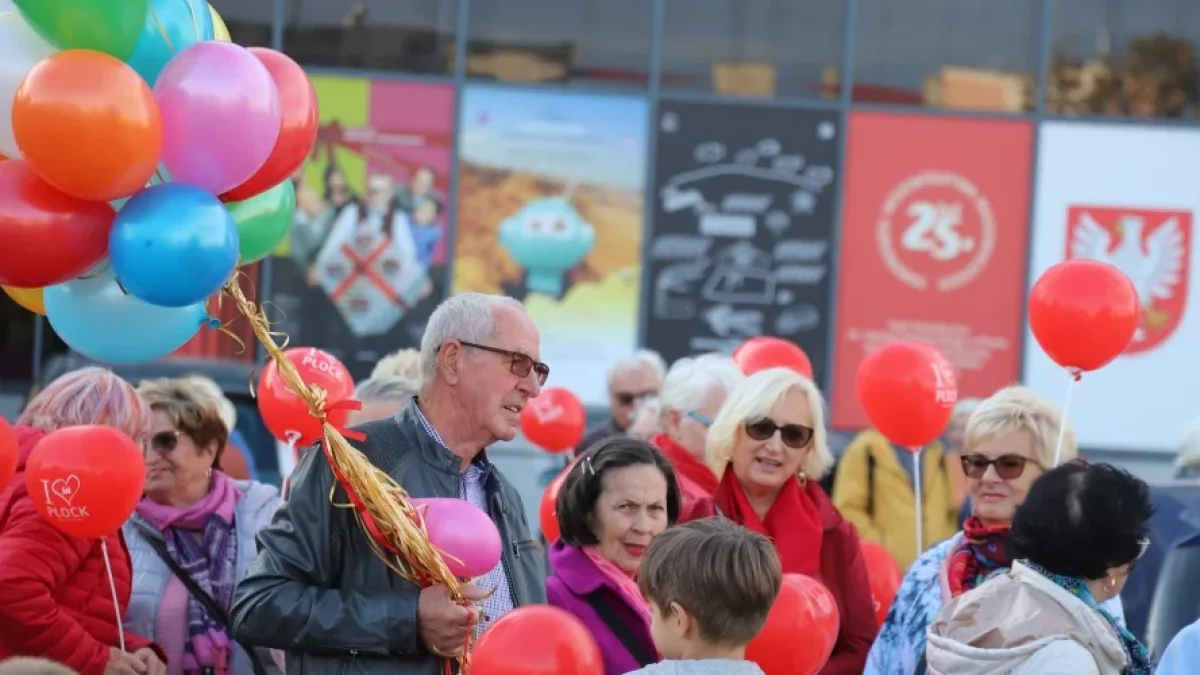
220	114
461	530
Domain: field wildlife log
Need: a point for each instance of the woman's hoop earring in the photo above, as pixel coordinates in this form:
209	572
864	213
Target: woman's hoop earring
208	473
803	478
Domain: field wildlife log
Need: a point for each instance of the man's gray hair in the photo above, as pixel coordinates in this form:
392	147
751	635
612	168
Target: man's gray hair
642	358
466	317
385	389
690	379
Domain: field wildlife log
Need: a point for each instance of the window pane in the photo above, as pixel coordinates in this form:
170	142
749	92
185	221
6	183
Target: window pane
414	36
766	48
952	54
1125	58
566	41
249	21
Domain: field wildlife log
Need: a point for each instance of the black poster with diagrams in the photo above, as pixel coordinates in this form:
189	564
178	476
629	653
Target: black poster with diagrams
743	223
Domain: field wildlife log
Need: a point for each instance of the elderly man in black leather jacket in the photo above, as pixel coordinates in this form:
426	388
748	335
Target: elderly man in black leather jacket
318	591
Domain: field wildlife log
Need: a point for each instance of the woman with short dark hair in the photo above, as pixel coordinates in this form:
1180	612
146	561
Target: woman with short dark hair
617	497
1074	540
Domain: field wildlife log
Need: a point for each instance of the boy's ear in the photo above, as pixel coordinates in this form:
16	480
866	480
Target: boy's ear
682	620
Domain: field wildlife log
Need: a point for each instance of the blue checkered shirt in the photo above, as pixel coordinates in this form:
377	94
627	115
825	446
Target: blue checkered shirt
470	488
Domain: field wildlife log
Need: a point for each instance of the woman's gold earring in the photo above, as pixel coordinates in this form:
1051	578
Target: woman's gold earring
803	478
208	474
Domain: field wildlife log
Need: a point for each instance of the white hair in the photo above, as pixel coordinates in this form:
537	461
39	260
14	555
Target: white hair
467	317
385	389
405	363
642	358
1019	409
752	399
690	380
964	409
1189	449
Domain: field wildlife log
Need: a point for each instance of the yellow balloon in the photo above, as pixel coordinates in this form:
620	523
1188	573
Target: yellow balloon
29	298
220	30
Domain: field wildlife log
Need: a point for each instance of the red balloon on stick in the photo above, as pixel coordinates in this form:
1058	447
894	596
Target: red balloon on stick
10	452
548	508
537	640
884	576
86	480
297	131
554	421
48	237
285	413
1083	313
761	353
801	629
908	390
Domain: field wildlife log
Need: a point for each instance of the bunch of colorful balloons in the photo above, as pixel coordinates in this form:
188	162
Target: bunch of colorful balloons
147	158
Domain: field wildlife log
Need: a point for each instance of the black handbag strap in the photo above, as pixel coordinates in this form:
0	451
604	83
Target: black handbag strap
922	667
636	648
210	605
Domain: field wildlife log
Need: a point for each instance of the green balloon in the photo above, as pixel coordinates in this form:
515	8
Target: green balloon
109	26
263	221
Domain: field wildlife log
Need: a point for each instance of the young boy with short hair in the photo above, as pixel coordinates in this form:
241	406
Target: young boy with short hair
710	584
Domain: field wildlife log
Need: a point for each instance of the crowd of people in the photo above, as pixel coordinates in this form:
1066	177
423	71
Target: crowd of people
678	519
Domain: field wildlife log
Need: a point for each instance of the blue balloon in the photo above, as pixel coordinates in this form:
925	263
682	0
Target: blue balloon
173	245
171	26
99	320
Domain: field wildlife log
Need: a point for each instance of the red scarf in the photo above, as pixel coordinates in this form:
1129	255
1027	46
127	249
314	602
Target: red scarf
686	464
792	522
982	551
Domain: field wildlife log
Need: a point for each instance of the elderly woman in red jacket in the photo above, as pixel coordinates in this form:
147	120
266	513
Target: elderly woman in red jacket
767	448
55	600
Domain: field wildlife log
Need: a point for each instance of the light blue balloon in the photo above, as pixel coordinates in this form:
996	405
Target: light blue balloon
171	26
99	320
173	245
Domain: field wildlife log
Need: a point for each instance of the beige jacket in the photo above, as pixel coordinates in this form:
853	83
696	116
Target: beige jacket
1022	623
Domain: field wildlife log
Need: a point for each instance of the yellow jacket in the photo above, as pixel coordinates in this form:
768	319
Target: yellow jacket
883	510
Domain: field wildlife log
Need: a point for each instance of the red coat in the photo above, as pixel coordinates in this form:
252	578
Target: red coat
55	600
845	575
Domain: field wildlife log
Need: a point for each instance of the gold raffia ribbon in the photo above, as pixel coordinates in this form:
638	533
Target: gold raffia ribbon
394	528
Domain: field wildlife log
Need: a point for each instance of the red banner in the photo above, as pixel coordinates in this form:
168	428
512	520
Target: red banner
933	247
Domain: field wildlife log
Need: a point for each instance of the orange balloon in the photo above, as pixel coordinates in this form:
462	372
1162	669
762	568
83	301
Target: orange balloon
3	158
29	298
88	125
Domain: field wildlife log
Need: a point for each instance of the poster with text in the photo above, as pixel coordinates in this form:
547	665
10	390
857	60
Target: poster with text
550	211
364	263
1127	196
933	247
743	219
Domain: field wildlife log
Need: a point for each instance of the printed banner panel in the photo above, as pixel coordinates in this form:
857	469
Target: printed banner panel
1128	196
933	247
364	264
743	218
550	211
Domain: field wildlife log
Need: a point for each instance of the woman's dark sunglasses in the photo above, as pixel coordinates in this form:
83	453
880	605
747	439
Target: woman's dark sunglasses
520	364
1008	467
163	441
792	435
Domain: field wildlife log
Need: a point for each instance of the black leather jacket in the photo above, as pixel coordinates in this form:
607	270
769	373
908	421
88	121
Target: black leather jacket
317	590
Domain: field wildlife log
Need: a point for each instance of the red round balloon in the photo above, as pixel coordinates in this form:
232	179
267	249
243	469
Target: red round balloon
10	452
548	508
883	574
800	631
908	390
48	237
761	353
285	413
537	640
554	421
86	480
1083	313
297	130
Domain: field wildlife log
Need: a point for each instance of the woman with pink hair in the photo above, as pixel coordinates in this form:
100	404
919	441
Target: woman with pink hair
55	601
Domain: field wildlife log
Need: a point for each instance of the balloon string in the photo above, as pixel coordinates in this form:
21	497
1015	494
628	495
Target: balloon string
918	498
1062	425
112	586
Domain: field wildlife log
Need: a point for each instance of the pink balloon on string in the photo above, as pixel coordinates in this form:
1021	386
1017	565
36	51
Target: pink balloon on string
467	537
220	115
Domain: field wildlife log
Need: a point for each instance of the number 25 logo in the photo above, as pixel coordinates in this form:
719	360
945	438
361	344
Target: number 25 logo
933	229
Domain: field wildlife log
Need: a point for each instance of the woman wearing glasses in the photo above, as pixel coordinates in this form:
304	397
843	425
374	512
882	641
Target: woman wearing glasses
192	536
1074	540
767	448
1010	442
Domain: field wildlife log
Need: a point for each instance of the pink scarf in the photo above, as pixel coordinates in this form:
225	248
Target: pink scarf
625	584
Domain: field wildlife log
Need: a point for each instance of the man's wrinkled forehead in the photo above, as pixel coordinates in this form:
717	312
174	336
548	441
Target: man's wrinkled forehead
515	331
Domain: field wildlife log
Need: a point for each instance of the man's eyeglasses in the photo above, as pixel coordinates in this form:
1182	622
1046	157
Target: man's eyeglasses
520	364
629	398
700	418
